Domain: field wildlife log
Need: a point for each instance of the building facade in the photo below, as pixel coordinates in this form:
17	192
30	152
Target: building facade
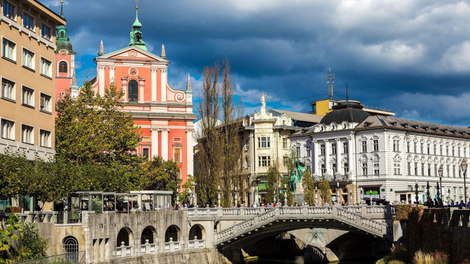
382	158
265	142
27	112
165	115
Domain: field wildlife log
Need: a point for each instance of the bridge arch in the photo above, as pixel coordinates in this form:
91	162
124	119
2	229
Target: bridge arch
197	231
125	235
172	233
149	234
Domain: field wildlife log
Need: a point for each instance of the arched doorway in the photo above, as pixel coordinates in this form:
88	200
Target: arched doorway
133	95
71	248
172	232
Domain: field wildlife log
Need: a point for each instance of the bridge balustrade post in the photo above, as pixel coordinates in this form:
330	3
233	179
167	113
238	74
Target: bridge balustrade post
304	211
364	210
220	211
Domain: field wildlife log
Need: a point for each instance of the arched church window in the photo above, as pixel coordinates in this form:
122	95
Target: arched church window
63	67
133	91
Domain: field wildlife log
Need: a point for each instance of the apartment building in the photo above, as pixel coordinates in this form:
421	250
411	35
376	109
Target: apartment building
27	32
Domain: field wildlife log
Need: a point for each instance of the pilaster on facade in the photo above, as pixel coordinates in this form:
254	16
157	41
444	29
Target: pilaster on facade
153	83
163	73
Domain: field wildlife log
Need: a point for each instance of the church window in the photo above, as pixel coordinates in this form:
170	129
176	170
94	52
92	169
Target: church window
177	155
63	67
133	91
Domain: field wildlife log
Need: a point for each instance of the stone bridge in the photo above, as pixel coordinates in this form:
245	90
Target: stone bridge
237	227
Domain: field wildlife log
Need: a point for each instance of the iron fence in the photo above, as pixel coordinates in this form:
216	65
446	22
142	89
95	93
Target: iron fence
67	258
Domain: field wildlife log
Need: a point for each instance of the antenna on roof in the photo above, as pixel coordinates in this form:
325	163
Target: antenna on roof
347	97
330	80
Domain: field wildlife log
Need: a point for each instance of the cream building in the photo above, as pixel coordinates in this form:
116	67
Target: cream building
27	65
264	138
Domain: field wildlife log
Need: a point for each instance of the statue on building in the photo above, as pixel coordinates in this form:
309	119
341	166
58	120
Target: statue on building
263	99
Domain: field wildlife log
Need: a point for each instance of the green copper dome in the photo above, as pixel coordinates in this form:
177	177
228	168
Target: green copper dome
136	34
62	41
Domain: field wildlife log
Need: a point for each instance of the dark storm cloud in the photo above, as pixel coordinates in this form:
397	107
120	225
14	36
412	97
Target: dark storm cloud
411	56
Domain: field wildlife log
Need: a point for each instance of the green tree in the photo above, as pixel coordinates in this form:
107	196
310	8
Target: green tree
162	175
273	183
92	129
14	172
94	142
9	231
309	187
325	191
30	244
219	149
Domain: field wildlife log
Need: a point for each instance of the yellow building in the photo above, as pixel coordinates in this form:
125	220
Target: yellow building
27	32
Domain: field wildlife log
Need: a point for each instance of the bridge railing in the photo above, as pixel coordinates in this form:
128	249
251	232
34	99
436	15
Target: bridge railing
374	211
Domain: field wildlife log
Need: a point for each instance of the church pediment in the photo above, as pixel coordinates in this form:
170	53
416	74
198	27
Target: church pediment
133	53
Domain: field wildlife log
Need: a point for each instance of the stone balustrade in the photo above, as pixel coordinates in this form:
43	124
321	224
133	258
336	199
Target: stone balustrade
172	245
196	243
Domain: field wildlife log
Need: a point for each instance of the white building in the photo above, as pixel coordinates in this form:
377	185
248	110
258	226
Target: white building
384	156
264	138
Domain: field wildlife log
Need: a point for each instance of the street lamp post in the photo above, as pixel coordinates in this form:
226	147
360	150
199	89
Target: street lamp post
463	167
236	196
338	200
218	195
285	194
361	191
440	171
438	195
416	191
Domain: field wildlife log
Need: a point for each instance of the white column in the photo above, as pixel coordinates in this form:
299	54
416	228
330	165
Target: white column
141	90
316	151
189	152
163	72
339	163
153	83
328	168
124	89
101	80
111	73
154	139
165	144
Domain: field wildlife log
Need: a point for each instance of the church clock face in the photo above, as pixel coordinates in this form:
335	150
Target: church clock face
63	53
133	71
